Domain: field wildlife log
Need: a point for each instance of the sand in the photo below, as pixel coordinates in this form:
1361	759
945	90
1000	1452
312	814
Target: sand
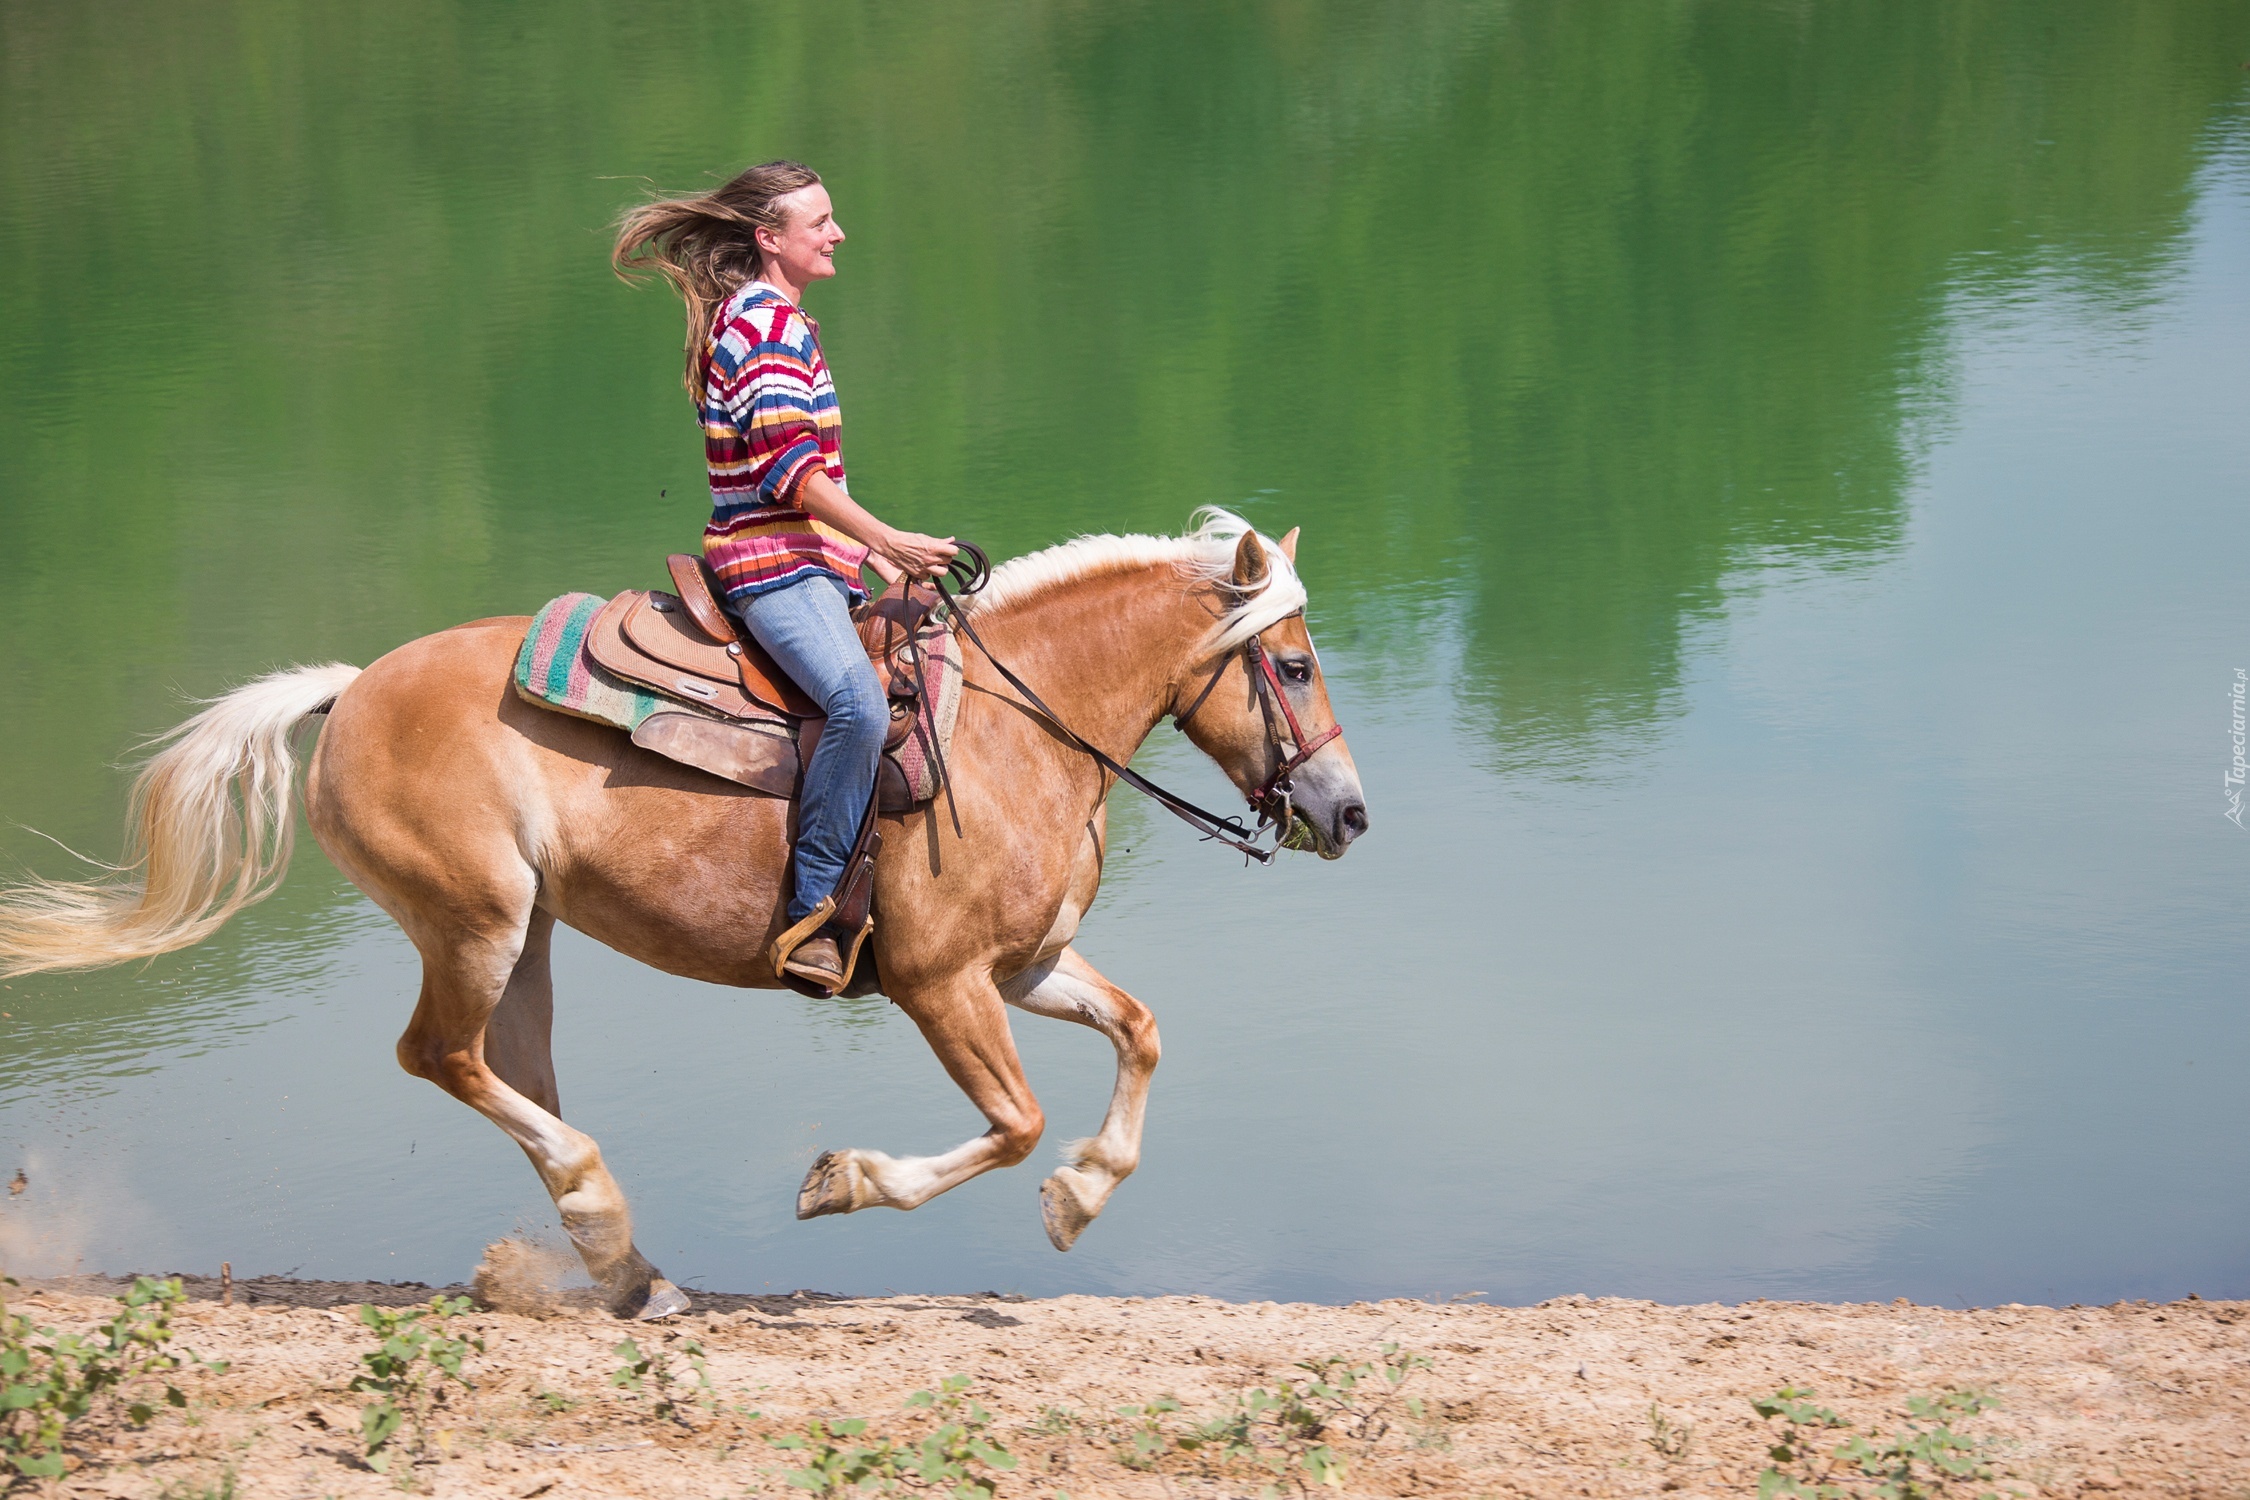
1552	1400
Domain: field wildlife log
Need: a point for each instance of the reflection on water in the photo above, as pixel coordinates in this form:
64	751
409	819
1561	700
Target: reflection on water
1724	439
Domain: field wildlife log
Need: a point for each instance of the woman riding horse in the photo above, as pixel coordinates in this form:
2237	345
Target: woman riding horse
786	540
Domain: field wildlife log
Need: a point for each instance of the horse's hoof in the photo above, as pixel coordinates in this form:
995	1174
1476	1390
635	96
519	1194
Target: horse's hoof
835	1185
1061	1210
664	1300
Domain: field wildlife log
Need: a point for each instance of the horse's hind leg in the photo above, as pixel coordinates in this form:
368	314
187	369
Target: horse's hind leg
519	1039
1069	989
966	1025
480	1032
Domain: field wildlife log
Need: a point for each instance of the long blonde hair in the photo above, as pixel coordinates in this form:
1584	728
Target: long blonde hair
707	245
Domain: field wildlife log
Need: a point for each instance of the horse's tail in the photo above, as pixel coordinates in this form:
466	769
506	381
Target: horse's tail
211	826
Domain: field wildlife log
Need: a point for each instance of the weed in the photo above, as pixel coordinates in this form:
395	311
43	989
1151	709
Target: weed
1431	1438
653	1367
1144	1441
1925	1461
1293	1430
956	1458
408	1374
222	1488
555	1402
1670	1439
49	1380
1055	1421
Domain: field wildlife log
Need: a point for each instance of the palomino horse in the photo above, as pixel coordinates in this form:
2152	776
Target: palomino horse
478	822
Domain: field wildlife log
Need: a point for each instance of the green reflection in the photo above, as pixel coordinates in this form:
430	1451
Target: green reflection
1545	320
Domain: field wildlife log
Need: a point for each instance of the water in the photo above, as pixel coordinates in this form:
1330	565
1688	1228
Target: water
1772	486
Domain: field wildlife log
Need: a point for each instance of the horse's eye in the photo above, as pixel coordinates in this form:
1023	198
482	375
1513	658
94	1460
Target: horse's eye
1297	671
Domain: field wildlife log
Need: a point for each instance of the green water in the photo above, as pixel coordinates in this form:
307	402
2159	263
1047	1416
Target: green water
1772	485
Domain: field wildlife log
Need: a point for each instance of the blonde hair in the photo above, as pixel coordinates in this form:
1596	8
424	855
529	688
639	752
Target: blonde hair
706	245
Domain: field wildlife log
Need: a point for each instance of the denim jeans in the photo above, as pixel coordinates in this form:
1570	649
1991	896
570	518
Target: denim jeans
806	627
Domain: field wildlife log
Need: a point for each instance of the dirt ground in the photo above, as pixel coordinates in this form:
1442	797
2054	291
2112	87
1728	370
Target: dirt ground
1573	1397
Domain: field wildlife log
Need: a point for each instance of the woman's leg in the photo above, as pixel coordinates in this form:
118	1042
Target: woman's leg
807	629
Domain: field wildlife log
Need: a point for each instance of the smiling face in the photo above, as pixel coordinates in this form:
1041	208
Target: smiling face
804	249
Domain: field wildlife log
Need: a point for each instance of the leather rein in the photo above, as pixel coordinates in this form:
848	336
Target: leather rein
969	572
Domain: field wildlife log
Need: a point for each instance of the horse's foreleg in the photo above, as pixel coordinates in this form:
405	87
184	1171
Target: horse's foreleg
480	1032
966	1025
1070	989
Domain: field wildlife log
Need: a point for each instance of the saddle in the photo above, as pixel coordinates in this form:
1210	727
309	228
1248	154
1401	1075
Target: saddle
684	646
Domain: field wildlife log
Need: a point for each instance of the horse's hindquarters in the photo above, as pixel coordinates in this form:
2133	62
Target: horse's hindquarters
449	800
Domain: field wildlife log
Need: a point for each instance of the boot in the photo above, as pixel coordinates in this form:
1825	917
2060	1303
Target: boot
818	961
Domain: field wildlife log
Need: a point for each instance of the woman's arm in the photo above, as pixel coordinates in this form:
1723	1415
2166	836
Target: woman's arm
908	552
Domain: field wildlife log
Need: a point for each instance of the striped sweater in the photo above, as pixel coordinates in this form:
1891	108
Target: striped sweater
769	420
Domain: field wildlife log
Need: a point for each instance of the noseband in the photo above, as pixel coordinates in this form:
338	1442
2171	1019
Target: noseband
1269	799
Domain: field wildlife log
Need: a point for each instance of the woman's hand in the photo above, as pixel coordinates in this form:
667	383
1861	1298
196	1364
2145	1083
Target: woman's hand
916	555
908	552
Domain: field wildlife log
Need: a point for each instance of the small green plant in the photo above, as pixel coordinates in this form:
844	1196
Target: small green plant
556	1402
1925	1461
644	1368
409	1374
1144	1439
1292	1431
1280	1430
956	1458
225	1487
1055	1421
49	1380
1670	1439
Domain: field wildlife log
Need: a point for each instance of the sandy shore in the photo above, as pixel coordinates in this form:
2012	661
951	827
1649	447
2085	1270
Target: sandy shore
1553	1400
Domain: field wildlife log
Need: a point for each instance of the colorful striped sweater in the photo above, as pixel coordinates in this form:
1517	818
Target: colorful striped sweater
769	420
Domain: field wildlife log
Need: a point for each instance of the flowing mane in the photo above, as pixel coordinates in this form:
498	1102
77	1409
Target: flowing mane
1204	555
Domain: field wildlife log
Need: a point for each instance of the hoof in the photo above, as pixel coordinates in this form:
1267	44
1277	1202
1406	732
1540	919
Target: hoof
664	1300
835	1185
1062	1210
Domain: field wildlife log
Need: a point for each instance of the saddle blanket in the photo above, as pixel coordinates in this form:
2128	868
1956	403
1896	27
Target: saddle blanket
553	670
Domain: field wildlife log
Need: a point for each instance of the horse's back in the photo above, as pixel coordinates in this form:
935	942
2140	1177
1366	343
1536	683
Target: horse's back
436	787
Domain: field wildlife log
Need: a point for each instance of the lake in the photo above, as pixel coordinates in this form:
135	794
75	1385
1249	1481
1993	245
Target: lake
1773	484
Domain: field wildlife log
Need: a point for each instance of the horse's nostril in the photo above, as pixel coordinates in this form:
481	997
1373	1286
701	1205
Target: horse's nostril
1353	820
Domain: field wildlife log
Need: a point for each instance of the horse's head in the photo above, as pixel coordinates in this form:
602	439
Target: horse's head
1254	704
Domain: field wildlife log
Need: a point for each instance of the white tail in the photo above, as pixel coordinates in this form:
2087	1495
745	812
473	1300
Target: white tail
212	822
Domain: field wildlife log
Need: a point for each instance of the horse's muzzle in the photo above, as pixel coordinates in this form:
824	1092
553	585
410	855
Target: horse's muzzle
1335	813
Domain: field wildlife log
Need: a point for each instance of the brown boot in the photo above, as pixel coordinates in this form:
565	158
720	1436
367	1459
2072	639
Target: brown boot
817	960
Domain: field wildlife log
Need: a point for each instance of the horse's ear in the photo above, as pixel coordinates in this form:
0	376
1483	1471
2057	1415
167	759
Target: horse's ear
1250	565
1289	545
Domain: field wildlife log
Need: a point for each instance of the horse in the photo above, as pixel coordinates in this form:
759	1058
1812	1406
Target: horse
478	821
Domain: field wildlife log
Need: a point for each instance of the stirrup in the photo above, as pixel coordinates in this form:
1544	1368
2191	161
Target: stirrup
848	944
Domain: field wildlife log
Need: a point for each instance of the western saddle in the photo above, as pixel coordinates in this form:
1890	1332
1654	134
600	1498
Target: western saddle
686	647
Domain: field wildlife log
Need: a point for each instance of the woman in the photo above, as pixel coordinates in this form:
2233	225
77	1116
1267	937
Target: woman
786	539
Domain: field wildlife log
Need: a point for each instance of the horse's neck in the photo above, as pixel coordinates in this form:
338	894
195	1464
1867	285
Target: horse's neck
1104	652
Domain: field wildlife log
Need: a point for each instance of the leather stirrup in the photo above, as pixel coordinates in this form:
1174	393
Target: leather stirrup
848	944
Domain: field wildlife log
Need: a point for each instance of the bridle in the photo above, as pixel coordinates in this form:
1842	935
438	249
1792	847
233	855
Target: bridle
1270	799
1257	665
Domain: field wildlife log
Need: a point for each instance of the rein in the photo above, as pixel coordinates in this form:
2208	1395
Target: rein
968	573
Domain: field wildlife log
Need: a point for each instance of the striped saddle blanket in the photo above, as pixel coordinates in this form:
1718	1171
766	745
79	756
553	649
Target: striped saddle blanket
756	745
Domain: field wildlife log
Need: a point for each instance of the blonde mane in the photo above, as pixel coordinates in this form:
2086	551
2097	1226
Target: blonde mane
1204	555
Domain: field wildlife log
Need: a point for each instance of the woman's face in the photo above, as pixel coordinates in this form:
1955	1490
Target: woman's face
805	249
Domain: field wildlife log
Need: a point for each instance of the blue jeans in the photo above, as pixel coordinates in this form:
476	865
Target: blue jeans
806	627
